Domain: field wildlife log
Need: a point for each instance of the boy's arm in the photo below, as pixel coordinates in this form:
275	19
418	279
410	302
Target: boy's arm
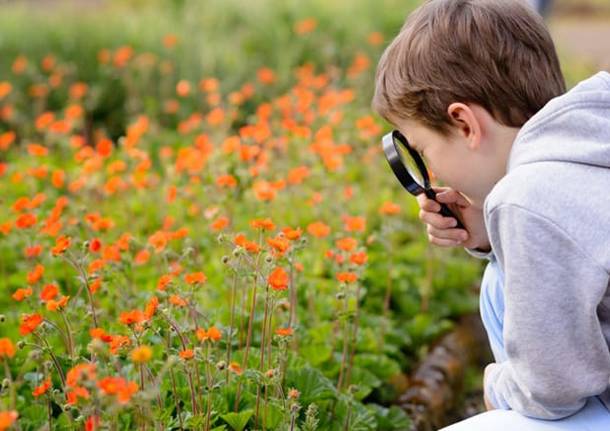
557	353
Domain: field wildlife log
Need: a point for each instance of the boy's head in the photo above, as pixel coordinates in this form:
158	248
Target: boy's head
468	72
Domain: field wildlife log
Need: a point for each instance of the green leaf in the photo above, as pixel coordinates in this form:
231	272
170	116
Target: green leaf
311	383
390	419
238	421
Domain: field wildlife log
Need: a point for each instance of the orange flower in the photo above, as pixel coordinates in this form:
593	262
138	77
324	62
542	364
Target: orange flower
96	265
151	307
5	88
292	234
250	246
164	280
53	305
212	334
75	393
226	181
141	354
43	388
7	350
79	372
92	423
100	334
7	419
142	257
347	277
354	224
48	292
375	38
283	332
187	354
37	150
278	279
346	244
61	245
279	244
318	229
95	245
195	278
236	368
35	275
359	258
6	139
78	90
183	88
389	208
25	221
158	240
131	317
95	285
21	204
118	386
177	301
264	224
119	341
265	75
220	223
22	293
33	251
305	26
170	40
263	190
29	323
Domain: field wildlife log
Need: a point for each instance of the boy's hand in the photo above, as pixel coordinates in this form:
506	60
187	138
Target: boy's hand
441	230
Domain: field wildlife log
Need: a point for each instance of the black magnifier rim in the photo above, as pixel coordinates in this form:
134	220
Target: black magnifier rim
397	164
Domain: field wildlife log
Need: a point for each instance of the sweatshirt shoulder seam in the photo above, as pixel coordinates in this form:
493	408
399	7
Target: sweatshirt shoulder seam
557	226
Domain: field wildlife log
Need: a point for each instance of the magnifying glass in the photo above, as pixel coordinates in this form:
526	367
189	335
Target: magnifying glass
410	169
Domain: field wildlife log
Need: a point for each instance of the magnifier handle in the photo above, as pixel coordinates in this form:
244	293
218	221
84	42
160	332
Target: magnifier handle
445	211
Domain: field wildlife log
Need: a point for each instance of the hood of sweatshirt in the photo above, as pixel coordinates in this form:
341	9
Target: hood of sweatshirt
556	132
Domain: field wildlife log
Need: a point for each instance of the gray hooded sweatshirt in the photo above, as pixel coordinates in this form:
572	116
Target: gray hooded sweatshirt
548	221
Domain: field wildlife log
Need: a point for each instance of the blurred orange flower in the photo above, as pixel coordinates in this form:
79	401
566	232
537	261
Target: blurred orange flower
43	388
318	229
29	323
195	278
7	349
278	279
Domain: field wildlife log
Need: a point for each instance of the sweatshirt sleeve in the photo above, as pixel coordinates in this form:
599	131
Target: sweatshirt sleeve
474	252
557	353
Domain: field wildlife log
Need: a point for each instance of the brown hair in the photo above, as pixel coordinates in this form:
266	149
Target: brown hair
495	53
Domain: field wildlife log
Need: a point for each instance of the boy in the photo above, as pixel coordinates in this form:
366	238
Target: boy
476	87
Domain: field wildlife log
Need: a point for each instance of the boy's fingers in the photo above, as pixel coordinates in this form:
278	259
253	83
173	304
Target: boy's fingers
437	220
454	235
431	206
443	242
452	196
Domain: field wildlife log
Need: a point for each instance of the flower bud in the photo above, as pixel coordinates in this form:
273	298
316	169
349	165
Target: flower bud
34	355
2	318
221	365
340	295
225	260
20	344
268	258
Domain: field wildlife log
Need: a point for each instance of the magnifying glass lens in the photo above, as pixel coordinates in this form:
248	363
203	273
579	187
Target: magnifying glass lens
409	163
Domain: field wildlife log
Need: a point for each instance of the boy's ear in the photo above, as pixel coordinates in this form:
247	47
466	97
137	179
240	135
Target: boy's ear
467	123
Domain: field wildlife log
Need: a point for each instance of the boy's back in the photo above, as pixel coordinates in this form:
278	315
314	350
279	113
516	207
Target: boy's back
549	226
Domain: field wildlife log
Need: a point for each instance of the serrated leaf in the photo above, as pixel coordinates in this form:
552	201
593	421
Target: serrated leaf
238	421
